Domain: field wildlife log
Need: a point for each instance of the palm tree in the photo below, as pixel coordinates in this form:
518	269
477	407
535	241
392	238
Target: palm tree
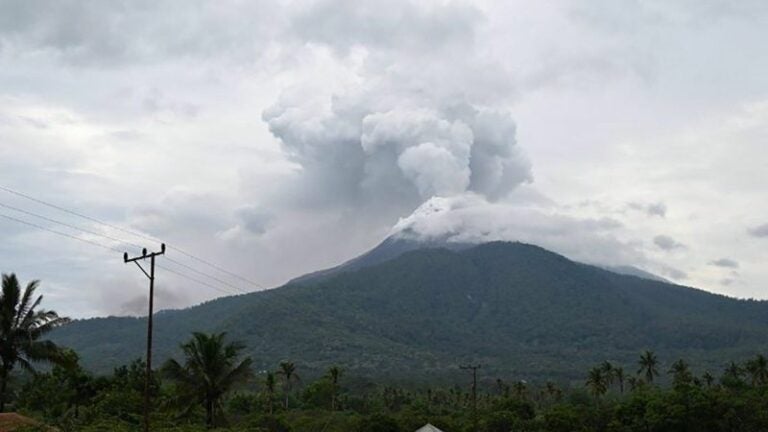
334	374
733	372
553	390
634	383
520	389
607	369
211	369
708	378
21	326
648	366
270	384
502	387
596	382
288	371
758	370
618	374
681	374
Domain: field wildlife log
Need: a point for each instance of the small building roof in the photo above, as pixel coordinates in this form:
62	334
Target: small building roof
428	428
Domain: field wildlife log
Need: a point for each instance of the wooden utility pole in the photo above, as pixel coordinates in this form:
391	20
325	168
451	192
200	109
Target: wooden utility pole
151	275
474	369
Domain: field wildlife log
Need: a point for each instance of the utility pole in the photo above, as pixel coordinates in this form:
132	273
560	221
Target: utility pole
474	369
151	275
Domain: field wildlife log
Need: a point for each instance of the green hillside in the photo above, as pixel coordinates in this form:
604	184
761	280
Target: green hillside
519	310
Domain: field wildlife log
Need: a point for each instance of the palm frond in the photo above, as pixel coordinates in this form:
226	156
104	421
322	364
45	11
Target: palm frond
238	375
24	306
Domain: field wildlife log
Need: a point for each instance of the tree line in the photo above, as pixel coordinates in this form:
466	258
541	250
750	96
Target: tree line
213	386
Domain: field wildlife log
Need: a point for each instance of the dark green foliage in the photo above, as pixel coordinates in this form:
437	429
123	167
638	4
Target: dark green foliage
318	394
499	421
211	369
22	324
61	393
268	423
378	423
112	403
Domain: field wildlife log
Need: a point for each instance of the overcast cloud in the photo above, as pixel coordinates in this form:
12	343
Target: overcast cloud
277	138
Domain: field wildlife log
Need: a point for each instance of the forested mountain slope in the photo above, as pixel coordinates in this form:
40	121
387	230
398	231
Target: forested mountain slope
518	309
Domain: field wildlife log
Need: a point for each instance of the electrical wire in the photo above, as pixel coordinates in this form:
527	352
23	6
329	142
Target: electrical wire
34	225
29	213
223	282
113	249
194	279
131	232
194	270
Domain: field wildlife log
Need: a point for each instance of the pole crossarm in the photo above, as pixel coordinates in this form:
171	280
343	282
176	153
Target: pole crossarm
144	255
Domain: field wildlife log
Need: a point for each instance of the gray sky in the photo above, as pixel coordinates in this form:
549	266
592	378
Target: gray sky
277	138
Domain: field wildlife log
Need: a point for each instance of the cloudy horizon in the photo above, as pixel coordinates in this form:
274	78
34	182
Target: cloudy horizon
277	138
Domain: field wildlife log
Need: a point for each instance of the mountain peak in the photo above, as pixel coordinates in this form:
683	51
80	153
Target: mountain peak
401	242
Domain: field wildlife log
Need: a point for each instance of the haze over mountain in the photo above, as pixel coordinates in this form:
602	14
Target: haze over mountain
401	311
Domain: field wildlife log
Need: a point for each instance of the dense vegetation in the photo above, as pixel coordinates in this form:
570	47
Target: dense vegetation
22	325
212	383
609	398
518	309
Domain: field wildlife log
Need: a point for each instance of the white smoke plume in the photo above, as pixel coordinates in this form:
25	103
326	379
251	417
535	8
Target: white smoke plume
404	154
410	124
470	218
394	142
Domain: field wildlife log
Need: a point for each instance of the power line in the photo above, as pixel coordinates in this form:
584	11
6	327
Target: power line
178	263
223	282
34	225
74	213
68	225
194	280
235	275
131	232
277	293
111	249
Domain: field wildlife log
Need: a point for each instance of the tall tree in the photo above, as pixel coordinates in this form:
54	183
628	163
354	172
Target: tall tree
210	370
520	388
607	368
757	369
334	374
21	327
618	375
681	374
500	384
648	366
270	385
733	371
634	383
596	382
288	372
553	391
